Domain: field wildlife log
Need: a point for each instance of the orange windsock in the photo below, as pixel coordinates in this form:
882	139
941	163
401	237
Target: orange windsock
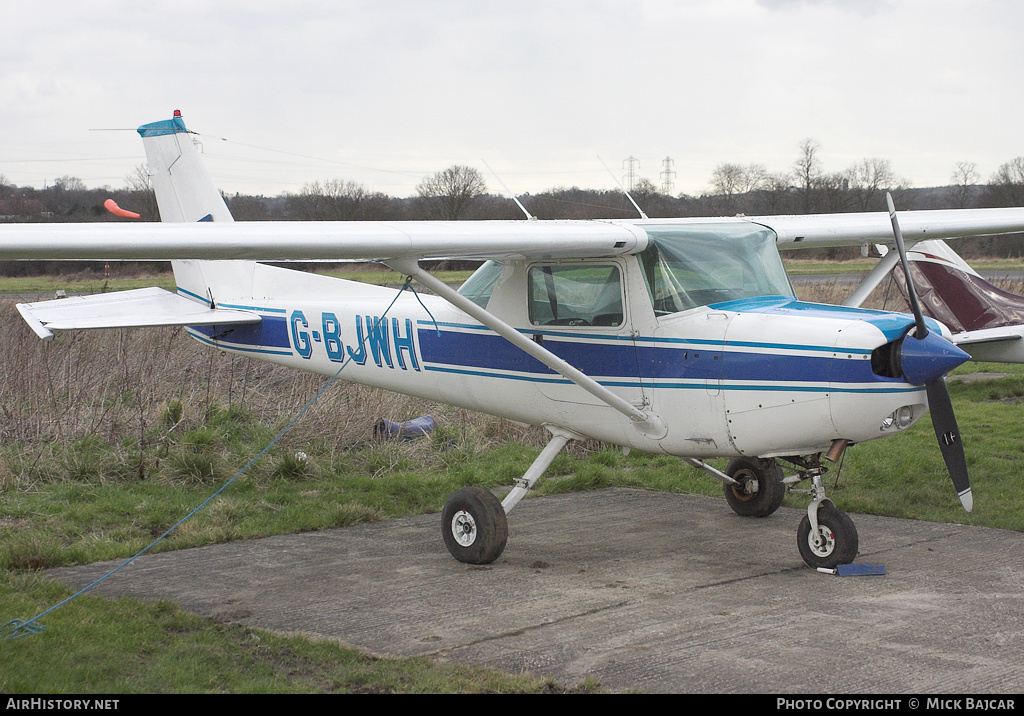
111	206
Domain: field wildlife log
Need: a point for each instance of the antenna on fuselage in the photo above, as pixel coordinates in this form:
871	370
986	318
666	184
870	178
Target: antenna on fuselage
529	216
635	205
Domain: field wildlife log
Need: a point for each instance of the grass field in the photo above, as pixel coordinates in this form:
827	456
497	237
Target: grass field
111	437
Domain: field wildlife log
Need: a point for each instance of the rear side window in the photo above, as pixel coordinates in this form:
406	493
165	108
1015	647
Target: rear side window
576	295
479	287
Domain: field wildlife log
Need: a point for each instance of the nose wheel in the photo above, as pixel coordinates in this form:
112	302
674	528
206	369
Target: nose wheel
834	542
826	536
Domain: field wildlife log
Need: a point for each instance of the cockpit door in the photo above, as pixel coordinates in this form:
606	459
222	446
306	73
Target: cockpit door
579	311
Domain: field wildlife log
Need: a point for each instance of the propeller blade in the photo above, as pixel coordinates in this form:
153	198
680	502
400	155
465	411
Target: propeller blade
948	433
939	405
922	329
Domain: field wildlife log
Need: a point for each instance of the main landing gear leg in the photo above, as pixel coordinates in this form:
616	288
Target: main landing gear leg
474	523
826	536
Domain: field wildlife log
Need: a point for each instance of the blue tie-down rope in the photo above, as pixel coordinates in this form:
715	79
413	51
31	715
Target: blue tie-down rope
17	628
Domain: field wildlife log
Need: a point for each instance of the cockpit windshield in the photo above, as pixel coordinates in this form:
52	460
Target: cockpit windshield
689	265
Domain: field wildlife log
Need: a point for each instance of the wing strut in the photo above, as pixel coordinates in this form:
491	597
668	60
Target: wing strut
877	274
649	424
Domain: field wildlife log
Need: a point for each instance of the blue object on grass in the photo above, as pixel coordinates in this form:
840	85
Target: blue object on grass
404	430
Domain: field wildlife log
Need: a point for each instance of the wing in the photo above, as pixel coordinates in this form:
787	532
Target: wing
281	241
307	240
197	225
823	230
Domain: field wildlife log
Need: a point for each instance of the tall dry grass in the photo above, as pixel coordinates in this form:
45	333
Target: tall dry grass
132	384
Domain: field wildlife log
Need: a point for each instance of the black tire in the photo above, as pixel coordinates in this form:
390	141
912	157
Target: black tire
474	526
839	542
766	475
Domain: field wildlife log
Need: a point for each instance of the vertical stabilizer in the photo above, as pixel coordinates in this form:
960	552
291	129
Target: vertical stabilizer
184	189
186	192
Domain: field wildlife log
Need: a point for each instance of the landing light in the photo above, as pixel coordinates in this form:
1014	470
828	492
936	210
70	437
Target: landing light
901	418
904	417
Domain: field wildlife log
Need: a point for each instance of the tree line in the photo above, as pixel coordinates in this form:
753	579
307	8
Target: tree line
460	193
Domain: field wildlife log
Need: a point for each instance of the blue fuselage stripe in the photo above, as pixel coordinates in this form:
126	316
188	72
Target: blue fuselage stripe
615	361
221	344
271	332
482	352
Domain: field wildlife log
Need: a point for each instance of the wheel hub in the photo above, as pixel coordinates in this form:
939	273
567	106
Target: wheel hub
748	486
823	543
464	528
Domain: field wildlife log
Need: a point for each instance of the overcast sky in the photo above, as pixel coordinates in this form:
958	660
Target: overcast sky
386	92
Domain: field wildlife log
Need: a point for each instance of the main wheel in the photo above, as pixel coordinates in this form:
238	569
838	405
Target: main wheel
474	526
836	542
760	490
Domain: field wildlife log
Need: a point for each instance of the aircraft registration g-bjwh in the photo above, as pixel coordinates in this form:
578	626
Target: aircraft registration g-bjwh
674	336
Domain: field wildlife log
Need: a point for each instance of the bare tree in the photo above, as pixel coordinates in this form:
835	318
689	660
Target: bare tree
868	180
832	192
807	169
774	195
965	177
69	184
644	192
138	179
65	197
1006	187
730	181
140	190
447	194
333	200
248	208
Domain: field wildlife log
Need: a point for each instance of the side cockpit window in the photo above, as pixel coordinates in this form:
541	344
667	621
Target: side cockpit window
479	287
576	295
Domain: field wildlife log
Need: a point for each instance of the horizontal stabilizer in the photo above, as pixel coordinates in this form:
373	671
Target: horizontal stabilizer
974	338
126	309
1002	344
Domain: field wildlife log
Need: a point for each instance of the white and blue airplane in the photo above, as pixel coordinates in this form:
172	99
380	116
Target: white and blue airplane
674	336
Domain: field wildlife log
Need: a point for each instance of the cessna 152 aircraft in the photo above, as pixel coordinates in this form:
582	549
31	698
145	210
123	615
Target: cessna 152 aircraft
675	336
